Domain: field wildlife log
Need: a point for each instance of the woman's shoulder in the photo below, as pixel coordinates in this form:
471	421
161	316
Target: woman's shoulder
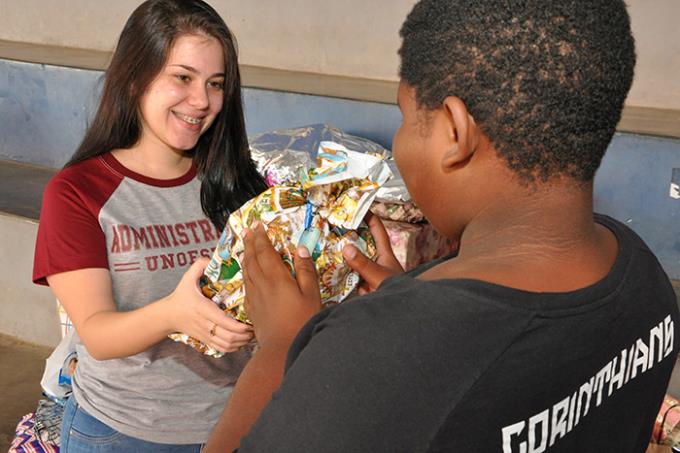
75	173
85	173
83	179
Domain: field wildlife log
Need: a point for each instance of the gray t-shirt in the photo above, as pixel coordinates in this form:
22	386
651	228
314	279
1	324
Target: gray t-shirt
146	232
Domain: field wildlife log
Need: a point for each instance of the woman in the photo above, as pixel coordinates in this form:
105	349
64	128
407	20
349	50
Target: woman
163	163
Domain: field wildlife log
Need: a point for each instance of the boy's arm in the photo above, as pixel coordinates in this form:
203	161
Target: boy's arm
264	372
259	379
278	304
352	386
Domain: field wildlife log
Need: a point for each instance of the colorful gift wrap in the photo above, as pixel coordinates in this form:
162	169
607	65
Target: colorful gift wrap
306	139
417	243
281	167
667	424
399	212
323	211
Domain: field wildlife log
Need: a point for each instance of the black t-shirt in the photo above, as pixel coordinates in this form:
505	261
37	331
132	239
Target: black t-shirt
467	366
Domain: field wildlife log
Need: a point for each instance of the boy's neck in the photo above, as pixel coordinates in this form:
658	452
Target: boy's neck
541	240
553	217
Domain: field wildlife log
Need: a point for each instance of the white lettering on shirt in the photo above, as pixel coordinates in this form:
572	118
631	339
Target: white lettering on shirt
550	425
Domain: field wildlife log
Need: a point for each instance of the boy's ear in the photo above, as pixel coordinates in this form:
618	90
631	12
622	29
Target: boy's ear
464	133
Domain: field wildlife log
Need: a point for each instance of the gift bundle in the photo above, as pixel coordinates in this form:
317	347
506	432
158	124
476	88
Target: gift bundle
414	241
320	207
667	425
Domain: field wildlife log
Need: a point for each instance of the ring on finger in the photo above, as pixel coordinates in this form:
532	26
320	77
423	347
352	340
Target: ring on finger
212	330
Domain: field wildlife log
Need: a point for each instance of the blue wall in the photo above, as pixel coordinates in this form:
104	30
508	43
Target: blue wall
44	109
633	185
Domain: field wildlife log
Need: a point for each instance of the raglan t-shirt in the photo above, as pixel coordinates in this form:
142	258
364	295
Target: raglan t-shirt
472	367
146	232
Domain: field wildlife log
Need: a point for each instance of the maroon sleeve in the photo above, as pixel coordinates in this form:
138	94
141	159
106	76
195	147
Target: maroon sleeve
69	234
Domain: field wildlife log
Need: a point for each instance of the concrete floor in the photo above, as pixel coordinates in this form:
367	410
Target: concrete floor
22	366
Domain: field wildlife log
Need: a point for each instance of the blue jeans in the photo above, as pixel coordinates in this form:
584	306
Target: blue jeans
82	433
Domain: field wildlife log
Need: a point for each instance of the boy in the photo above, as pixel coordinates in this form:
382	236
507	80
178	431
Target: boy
553	327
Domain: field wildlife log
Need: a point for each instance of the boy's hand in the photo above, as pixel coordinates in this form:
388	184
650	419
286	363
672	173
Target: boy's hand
386	264
277	303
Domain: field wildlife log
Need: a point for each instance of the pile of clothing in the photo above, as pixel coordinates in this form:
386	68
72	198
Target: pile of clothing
39	431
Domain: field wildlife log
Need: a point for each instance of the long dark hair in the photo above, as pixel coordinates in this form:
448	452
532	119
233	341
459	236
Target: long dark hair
228	176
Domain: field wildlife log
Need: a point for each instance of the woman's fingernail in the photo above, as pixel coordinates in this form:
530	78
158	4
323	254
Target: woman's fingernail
350	252
255	225
303	252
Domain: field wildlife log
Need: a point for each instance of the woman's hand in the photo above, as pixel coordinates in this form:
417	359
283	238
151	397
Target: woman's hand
277	303
192	313
373	272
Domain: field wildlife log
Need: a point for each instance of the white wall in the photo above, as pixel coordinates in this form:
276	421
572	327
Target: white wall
27	311
349	37
656	27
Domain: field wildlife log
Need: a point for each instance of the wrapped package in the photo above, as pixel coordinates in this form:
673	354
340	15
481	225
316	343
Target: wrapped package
394	190
307	139
398	212
281	167
323	211
417	243
281	153
667	425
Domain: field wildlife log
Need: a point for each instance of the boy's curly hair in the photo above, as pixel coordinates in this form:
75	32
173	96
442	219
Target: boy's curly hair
545	80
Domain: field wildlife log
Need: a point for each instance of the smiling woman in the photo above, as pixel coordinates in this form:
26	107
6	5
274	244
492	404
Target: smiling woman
178	106
166	148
